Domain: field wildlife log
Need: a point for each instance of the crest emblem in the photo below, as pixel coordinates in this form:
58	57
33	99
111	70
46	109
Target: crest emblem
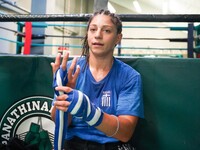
27	115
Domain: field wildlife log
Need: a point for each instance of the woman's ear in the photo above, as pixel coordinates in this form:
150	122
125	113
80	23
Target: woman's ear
119	37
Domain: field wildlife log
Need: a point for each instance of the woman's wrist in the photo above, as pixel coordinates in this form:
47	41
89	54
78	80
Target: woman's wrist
117	127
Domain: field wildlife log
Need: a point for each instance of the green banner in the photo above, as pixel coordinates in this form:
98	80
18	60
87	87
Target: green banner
26	96
170	91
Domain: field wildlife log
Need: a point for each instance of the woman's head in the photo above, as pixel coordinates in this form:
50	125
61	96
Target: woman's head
113	19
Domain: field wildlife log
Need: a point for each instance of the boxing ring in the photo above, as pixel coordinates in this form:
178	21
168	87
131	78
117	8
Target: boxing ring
170	91
41	21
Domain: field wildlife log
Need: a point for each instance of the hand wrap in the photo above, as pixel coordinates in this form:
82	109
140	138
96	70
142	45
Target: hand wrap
60	79
61	118
80	106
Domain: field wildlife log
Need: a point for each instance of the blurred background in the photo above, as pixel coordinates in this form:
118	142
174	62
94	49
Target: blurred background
140	39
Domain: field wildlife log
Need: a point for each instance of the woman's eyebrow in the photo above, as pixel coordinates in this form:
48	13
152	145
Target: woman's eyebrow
104	26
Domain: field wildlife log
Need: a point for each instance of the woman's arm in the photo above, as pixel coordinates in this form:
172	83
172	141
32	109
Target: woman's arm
78	104
120	127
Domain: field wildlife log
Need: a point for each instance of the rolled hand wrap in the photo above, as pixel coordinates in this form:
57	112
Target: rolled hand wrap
61	118
80	106
60	79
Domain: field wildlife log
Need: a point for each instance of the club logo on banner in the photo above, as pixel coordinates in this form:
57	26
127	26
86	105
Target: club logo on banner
31	114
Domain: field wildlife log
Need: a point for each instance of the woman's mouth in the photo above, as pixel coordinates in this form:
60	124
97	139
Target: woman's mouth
97	44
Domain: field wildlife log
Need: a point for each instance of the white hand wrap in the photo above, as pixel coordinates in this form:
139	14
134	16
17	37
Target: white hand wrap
81	106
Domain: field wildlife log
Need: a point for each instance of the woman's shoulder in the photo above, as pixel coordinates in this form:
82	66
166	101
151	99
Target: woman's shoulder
125	68
81	60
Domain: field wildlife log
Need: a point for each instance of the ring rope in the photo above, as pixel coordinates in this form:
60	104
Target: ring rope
79	46
85	17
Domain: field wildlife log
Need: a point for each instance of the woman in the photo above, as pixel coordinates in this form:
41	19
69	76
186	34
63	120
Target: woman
110	90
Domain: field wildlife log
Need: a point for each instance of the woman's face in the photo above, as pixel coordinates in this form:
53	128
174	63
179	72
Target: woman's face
102	36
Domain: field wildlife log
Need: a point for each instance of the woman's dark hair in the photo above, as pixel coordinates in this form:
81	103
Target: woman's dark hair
114	18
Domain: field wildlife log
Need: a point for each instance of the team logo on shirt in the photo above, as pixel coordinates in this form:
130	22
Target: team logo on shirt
105	100
31	113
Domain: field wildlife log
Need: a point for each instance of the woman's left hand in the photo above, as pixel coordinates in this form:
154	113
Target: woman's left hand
72	76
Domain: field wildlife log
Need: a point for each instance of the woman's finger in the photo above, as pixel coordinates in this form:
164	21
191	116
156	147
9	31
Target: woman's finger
62	105
65	89
57	60
72	67
55	65
64	61
62	108
62	97
76	72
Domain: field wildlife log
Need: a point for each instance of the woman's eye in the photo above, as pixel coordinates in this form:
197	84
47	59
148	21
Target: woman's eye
92	29
107	31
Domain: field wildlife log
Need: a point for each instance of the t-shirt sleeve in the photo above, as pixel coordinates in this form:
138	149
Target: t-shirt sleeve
130	100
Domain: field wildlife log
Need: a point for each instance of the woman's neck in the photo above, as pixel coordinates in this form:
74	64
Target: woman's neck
100	63
100	67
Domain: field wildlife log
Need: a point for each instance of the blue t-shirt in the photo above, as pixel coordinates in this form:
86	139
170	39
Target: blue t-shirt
119	93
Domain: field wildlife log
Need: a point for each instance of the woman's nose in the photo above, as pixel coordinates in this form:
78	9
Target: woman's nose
98	34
